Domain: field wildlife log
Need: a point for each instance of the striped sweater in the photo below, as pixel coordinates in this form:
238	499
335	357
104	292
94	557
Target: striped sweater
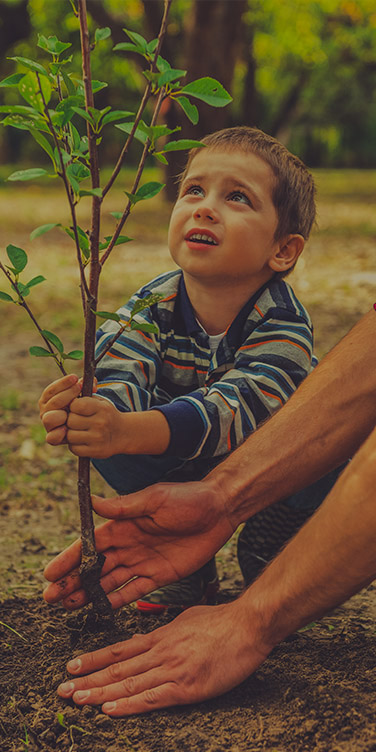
212	401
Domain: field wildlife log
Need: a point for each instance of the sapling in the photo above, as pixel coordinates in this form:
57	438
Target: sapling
59	104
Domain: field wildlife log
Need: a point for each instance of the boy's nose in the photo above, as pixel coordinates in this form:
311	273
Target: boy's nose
205	212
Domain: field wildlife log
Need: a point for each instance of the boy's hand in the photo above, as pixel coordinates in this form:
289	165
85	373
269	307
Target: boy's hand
95	428
53	407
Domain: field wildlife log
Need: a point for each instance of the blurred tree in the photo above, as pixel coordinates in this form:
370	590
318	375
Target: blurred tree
303	70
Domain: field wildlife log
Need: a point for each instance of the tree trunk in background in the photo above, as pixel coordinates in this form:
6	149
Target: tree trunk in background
213	36
208	46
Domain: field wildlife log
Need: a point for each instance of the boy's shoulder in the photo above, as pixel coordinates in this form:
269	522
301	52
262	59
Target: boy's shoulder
166	284
278	294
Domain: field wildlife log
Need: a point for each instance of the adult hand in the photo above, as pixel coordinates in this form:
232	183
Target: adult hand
155	536
204	652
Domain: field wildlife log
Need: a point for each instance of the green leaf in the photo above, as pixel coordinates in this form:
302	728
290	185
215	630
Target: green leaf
137	39
85	115
17	257
101	34
119	241
20	109
74	355
17	121
42	141
148	190
57	68
36	281
127	128
71	89
157	131
190	109
162	64
170	75
23	289
144	327
96	85
107	315
116	214
183	143
32	174
91	192
127	47
31	65
209	90
29	89
60	719
83	240
13	80
150	300
42	229
5	296
116	115
52	44
160	157
40	352
152	46
54	339
76	172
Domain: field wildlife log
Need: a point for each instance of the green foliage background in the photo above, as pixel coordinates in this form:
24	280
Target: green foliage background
314	65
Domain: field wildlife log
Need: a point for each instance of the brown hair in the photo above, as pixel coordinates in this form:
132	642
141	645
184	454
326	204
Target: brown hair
293	193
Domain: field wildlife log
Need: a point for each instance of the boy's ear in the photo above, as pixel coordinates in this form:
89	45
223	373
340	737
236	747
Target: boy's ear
287	253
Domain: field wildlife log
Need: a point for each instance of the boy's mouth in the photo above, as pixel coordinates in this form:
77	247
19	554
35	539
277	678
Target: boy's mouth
201	237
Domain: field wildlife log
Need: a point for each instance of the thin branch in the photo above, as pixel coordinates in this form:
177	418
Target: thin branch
111	342
22	302
145	98
68	190
137	179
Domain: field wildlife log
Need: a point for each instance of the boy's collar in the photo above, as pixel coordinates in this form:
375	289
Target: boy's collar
236	327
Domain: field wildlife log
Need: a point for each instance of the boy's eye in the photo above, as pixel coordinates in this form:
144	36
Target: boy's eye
239	197
194	190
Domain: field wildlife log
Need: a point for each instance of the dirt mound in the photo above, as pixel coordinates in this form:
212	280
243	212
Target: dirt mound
315	692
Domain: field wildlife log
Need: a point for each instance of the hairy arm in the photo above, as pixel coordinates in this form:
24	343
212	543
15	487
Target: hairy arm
324	423
331	558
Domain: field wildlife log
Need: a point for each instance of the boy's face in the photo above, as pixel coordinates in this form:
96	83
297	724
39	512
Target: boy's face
223	223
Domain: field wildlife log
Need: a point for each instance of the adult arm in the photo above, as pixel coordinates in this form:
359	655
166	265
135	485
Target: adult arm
331	557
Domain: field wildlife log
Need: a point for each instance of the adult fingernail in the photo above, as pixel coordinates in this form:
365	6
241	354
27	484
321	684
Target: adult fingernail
67	688
108	707
82	695
74	665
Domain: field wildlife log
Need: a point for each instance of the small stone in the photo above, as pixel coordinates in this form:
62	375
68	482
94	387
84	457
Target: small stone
102	720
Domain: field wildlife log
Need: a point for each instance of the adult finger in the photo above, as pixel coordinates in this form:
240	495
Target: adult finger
154	698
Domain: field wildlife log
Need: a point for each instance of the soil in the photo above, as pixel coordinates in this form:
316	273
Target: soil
316	692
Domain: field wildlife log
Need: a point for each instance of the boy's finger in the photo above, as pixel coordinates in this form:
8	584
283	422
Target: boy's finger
87	406
57	436
57	386
61	400
54	419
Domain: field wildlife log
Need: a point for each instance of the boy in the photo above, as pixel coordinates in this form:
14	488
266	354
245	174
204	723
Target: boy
233	343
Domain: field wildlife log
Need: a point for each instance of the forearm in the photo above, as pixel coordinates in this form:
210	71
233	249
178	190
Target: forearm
323	424
332	557
142	433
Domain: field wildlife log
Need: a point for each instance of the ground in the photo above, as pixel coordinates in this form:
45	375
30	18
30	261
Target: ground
316	690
